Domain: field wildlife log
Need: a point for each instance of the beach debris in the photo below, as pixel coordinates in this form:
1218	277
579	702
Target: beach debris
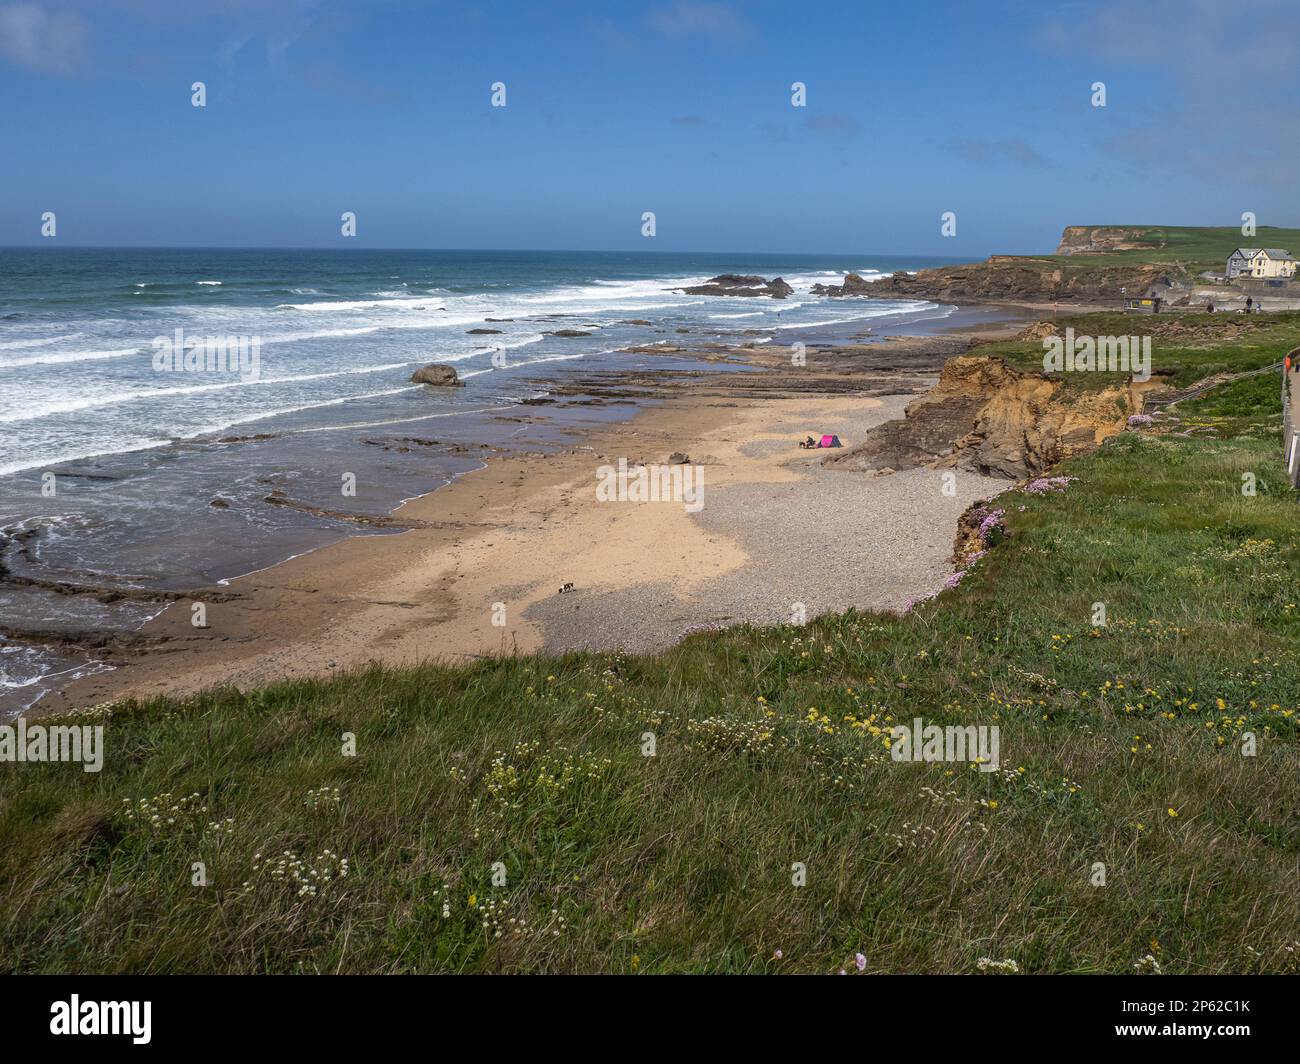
437	374
566	588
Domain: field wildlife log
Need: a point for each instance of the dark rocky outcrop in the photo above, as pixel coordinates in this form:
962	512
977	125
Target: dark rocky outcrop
568	332
437	374
1092	264
482	332
279	498
741	284
854	285
256	437
1006	278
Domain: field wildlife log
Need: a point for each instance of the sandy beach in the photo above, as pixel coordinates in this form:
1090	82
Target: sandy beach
481	568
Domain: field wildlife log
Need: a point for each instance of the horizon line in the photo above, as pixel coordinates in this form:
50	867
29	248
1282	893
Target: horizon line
571	251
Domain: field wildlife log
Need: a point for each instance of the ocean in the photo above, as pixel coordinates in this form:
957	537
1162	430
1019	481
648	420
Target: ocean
127	478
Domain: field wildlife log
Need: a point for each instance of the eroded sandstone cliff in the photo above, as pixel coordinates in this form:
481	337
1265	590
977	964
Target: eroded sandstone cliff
986	416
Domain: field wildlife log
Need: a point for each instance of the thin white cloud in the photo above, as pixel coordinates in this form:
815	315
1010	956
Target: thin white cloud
700	18
982	151
42	40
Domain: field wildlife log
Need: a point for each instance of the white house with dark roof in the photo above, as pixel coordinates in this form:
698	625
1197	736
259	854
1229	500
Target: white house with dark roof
1261	262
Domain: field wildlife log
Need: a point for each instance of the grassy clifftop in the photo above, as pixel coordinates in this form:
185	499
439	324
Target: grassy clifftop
1192	247
1123	757
1185	348
1094	264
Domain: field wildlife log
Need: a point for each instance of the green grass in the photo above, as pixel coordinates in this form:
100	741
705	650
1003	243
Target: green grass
769	752
1248	407
1195	247
1185	348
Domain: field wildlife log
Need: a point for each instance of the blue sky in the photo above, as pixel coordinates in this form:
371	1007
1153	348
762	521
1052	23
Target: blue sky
681	107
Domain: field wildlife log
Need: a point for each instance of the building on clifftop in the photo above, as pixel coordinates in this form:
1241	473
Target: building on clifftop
1261	262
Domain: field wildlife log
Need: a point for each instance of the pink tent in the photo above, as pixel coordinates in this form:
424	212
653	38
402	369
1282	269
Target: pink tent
829	441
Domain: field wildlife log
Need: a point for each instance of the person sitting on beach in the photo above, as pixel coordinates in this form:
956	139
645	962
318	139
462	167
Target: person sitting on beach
808	443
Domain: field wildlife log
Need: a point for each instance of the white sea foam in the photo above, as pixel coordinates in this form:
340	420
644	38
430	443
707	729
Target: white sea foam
828	321
533	362
126	445
330	306
92	402
74	454
524	341
44	341
456	412
262	415
56	358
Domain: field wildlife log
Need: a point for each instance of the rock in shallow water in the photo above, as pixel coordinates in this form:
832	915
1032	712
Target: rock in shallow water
437	374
